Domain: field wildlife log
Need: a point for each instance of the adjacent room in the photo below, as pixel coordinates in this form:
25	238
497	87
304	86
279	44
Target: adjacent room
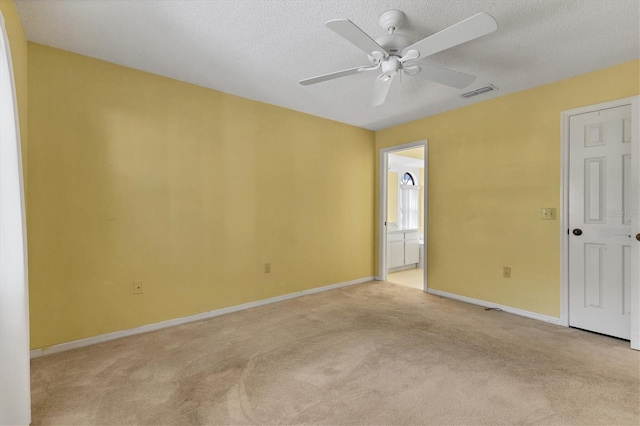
319	212
405	203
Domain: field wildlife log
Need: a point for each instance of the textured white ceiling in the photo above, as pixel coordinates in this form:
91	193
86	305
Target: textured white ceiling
260	49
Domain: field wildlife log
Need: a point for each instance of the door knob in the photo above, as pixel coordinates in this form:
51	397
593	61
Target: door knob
638	237
577	232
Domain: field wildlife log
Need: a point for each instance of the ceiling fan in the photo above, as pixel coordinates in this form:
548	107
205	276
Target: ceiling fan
393	52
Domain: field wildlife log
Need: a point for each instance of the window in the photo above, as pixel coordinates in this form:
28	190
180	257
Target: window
407	179
409	203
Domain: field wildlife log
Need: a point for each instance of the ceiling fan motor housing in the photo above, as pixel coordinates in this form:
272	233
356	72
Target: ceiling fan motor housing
394	43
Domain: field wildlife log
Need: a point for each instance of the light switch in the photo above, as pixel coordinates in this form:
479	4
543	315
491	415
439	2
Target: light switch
548	213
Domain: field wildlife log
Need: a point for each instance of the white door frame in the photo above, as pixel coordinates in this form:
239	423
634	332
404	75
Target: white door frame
382	227
635	220
15	383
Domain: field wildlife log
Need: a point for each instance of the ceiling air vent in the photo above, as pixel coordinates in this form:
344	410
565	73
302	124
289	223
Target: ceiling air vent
479	91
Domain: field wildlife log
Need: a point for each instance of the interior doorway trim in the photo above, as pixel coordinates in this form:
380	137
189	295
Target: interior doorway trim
564	217
382	227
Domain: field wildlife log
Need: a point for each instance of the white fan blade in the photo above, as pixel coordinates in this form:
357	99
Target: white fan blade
381	90
444	76
467	30
332	75
355	35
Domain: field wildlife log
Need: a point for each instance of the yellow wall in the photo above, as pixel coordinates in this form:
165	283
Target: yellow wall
139	177
18	46
492	167
392	197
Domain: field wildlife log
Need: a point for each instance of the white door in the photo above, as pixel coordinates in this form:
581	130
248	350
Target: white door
601	206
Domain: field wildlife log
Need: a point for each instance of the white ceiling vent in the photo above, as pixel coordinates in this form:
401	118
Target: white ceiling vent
479	91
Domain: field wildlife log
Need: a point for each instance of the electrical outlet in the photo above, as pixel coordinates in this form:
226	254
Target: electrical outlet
267	268
137	287
506	272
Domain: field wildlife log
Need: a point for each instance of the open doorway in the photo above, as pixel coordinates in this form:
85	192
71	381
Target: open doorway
403	215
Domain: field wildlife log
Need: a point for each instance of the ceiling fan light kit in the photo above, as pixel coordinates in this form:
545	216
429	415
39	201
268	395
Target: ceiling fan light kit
394	53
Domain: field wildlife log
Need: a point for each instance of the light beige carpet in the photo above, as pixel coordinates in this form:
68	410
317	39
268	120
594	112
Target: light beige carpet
375	353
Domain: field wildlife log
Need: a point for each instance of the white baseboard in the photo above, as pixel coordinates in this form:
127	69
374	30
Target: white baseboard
486	304
35	353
